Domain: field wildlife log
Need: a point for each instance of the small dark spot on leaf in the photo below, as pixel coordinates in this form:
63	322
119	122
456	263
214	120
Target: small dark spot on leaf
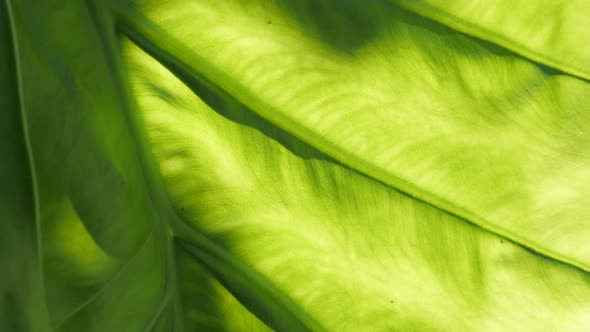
390	301
269	22
501	241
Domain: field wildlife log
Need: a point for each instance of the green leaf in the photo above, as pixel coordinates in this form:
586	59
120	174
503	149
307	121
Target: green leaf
22	298
294	165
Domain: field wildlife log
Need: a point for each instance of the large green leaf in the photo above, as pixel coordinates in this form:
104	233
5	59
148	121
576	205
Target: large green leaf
294	165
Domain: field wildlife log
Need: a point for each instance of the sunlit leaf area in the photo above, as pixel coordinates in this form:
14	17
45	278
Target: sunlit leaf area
294	165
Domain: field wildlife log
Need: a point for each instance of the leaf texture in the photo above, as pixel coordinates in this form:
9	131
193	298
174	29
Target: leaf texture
294	165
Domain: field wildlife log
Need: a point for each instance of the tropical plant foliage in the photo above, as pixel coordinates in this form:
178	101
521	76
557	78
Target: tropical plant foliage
294	165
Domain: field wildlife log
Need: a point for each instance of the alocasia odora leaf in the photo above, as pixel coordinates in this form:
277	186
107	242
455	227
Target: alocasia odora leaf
294	165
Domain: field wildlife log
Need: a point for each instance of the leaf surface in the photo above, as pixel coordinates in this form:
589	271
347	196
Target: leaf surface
293	165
